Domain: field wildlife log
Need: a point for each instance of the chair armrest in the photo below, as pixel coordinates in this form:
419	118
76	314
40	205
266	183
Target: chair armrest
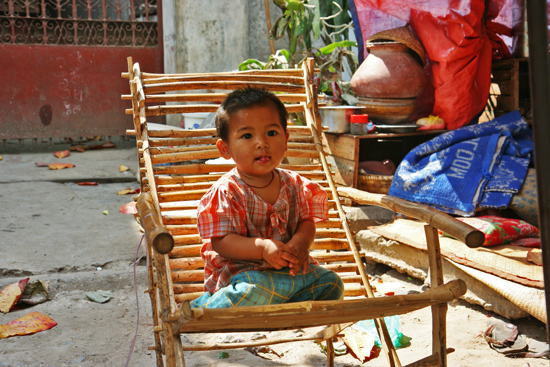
437	219
156	234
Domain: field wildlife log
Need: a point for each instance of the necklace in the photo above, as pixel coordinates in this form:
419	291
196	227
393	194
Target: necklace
262	187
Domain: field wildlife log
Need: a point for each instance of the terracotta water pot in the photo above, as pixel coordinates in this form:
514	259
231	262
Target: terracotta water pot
389	71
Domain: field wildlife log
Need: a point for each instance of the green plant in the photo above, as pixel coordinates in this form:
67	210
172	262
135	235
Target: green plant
306	22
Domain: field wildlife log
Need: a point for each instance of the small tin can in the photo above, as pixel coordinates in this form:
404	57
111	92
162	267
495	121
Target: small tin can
359	124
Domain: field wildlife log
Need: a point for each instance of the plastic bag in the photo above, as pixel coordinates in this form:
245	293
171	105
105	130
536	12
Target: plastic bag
393	323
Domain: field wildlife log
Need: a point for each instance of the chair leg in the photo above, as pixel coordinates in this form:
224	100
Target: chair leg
439	312
330	352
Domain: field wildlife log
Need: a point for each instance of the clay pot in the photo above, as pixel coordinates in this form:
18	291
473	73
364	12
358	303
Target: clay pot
388	111
389	71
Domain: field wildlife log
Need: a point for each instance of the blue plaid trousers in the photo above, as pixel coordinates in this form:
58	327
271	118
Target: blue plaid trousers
266	287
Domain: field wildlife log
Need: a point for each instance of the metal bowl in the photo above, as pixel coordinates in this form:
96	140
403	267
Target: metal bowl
337	117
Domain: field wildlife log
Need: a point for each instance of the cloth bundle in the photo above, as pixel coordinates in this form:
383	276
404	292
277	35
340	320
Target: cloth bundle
471	168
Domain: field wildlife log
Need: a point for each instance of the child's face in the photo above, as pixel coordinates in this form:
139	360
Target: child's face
256	140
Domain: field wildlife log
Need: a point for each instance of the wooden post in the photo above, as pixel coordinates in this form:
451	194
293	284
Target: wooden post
439	311
330	352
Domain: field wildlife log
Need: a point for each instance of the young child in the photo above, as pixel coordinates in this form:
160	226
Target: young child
257	221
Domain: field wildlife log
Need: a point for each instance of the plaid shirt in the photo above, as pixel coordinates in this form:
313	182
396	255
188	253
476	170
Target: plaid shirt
231	207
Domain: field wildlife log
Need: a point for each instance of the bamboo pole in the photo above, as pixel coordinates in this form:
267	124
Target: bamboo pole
157	235
439	311
315	124
462	231
317	313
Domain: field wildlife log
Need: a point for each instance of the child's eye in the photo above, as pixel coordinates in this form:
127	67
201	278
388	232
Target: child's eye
272	133
246	136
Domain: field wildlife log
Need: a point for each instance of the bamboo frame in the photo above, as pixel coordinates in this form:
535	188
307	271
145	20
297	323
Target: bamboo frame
176	276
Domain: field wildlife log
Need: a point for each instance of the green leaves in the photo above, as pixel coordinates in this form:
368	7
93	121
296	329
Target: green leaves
333	46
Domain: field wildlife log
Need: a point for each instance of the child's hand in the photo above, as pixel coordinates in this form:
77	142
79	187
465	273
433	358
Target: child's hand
302	254
278	254
301	242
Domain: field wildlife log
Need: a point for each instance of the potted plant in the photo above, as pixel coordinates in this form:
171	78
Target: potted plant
305	22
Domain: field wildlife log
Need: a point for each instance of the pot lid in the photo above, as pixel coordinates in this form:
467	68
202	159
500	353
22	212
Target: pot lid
402	35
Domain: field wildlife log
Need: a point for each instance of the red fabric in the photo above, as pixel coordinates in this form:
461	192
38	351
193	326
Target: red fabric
458	46
231	207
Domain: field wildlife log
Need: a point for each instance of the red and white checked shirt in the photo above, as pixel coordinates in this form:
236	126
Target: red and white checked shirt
231	207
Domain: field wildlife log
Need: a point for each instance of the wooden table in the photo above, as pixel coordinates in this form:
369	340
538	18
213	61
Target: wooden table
346	150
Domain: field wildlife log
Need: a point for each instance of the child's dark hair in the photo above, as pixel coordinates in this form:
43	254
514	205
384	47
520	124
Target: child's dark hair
245	98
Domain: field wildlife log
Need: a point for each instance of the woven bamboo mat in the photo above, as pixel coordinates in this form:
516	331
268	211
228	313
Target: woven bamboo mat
506	261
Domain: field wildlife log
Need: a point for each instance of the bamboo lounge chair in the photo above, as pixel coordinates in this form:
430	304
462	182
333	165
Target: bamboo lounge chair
174	176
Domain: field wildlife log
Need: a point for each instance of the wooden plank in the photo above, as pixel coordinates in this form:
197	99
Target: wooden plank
343	146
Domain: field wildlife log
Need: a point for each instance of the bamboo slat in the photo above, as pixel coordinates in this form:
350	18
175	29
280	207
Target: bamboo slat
181	195
295	72
189	288
171	142
187	186
183	229
187	239
188	276
168	79
219	85
187	263
189	250
179	219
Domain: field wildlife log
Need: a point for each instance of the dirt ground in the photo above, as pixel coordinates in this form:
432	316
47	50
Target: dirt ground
52	229
92	334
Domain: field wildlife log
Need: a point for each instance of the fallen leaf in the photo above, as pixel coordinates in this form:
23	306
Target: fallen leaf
61	165
361	344
87	183
78	148
123	168
105	212
62	154
128	191
42	164
10	294
108	144
28	324
99	296
1	158
129	208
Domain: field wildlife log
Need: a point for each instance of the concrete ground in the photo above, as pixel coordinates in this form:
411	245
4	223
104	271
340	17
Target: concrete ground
75	238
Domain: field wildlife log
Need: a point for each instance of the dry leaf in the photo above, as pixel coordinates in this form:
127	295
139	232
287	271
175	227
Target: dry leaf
62	154
41	164
10	294
1	158
129	208
128	191
361	344
28	324
87	183
61	165
123	168
78	148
